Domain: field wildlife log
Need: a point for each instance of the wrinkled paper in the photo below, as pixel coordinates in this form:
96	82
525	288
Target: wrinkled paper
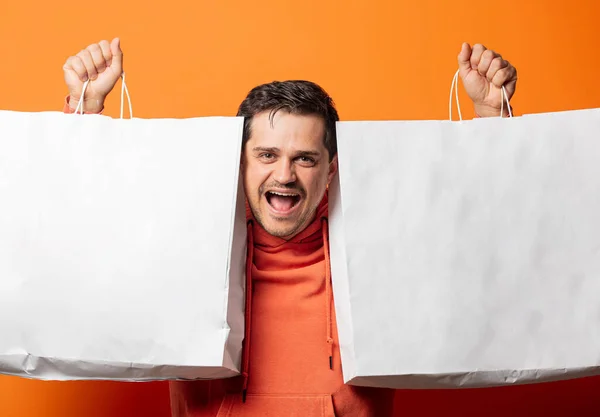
122	247
467	254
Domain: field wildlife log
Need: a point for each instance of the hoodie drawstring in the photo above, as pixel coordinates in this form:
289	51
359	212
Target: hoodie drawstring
328	290
248	312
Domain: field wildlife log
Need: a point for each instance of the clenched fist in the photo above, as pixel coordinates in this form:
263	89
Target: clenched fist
483	73
100	63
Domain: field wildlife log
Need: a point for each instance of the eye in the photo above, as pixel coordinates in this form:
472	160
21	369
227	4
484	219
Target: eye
266	156
306	160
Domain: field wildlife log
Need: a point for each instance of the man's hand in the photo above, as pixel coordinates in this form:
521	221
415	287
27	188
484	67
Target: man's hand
483	73
102	64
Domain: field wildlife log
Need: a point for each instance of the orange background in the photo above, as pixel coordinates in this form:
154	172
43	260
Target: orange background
379	60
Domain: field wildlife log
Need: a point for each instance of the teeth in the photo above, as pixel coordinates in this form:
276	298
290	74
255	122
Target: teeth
283	194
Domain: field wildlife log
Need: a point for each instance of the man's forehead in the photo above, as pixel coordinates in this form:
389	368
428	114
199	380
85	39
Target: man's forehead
285	129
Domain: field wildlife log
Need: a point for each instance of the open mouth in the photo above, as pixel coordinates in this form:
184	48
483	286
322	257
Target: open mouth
282	202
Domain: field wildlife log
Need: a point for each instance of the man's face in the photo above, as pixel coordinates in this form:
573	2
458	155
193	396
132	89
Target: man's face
286	170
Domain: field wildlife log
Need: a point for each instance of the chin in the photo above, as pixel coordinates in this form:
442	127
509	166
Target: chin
279	230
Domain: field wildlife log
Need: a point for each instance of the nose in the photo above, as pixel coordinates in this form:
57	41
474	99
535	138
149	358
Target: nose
284	172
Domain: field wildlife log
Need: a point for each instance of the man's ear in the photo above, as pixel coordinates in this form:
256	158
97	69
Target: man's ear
333	168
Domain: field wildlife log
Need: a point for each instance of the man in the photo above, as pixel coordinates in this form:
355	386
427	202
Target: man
291	364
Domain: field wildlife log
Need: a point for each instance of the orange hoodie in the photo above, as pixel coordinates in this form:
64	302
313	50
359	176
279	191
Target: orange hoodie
293	359
291	364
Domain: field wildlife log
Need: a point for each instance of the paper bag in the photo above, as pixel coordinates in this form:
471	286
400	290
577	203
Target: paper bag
467	254
122	247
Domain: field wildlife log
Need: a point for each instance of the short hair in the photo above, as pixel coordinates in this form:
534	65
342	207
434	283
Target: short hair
295	97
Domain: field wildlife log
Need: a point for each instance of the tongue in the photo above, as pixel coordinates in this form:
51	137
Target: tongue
281	203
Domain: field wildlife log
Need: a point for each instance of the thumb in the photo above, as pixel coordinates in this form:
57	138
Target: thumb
464	59
117	53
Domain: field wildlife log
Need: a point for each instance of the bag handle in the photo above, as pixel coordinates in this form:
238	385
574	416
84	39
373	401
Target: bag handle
124	91
454	88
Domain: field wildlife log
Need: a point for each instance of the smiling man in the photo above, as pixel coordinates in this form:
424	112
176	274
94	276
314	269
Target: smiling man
289	154
291	362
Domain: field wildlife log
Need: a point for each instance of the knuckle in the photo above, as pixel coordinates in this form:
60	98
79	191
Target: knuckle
93	47
76	62
496	63
105	47
80	71
501	75
90	67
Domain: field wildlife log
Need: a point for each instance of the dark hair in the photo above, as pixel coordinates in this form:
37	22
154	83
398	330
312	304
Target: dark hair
295	97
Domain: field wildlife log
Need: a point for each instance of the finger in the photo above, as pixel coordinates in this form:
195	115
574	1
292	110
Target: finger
506	75
105	48
486	60
97	57
86	58
464	58
117	55
75	64
478	50
497	64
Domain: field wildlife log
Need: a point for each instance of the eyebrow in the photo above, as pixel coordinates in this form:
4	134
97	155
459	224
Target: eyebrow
277	150
263	149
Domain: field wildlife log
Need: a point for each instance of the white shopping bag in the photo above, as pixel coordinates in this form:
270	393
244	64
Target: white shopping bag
122	247
467	254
